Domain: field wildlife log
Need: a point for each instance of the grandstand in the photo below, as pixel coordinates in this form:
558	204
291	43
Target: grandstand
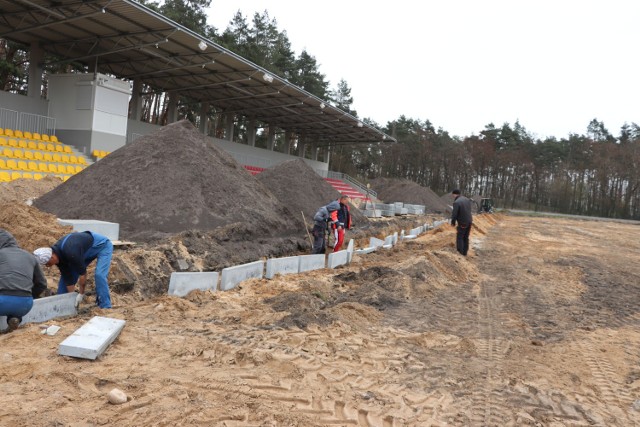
134	50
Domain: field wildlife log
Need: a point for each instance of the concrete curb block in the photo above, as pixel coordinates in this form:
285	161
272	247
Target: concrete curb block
337	259
232	276
92	338
286	265
311	262
48	308
180	284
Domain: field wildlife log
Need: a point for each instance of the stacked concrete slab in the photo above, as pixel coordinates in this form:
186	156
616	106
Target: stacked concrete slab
415	209
232	276
48	308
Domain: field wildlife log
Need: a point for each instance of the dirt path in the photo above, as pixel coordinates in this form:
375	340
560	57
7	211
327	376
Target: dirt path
539	326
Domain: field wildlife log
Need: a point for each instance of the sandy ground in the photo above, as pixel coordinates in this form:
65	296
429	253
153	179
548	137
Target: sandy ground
538	326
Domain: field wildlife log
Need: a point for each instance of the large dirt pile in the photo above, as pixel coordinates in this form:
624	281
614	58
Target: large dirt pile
392	190
24	190
31	227
296	185
477	200
168	182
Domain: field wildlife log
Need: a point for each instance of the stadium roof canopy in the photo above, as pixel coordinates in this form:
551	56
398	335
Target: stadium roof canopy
127	40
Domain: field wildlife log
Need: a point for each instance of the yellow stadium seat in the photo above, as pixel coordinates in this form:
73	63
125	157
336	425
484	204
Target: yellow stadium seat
42	146
1	131
7	152
71	169
27	175
37	155
51	147
57	157
18	134
64	158
8	132
79	168
18	154
82	160
22	165
73	159
28	135
3	164
22	143
31	145
47	157
5	176
66	177
42	167
62	169
13	143
37	136
45	137
67	149
95	153
12	164
37	176
16	175
52	167
3	141
28	155
59	148
32	166
54	138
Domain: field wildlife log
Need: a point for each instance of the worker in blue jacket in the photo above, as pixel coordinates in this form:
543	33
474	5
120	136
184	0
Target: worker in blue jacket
72	254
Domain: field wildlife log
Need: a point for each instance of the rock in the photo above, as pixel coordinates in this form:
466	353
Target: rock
117	396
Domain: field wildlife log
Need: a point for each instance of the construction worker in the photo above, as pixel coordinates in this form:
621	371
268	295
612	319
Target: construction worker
21	280
72	254
461	215
344	222
326	215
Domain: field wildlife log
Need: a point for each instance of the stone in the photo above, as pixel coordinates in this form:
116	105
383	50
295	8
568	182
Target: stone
117	397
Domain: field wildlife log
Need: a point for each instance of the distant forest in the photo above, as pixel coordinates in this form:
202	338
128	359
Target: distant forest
596	173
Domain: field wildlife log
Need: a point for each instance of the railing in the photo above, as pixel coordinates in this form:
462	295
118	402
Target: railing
10	119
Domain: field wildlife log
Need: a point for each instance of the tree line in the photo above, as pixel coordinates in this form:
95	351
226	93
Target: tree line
590	174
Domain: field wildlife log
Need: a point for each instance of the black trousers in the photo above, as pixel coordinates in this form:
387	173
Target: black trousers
462	238
319	237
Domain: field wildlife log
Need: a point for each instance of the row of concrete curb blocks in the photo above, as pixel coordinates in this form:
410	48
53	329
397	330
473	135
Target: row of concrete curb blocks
92	338
48	308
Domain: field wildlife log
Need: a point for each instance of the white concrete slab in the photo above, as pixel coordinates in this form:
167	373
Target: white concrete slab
365	251
395	238
388	246
410	236
388	241
108	229
350	247
92	338
48	308
181	283
286	265
337	259
374	242
311	262
415	231
231	276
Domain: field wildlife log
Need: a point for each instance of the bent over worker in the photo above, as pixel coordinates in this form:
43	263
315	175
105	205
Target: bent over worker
72	254
326	215
462	215
21	280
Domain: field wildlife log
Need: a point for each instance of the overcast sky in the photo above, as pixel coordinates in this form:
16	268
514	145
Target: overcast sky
552	65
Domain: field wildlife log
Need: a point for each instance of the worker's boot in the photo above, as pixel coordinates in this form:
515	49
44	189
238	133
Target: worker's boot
13	323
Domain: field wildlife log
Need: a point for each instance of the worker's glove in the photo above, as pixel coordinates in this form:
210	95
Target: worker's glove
341	224
79	299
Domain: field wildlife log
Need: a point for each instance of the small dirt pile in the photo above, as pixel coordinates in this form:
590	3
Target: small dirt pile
402	190
168	182
25	190
297	186
31	227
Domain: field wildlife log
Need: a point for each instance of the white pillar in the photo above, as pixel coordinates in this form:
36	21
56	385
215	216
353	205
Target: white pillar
251	132
204	112
288	136
135	104
272	137
228	134
172	114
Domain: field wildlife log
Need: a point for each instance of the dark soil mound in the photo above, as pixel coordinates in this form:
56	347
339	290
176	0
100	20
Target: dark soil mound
297	186
477	200
392	190
167	182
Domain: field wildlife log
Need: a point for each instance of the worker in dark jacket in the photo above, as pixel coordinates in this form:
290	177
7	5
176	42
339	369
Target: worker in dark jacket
72	254
21	280
462	216
326	215
344	222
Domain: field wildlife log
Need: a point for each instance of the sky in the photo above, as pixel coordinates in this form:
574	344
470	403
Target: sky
462	64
